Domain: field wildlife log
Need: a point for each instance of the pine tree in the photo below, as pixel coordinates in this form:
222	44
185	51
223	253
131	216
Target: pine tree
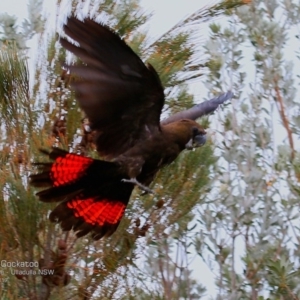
157	232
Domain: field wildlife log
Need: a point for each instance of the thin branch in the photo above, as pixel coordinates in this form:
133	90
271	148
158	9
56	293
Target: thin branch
45	290
285	121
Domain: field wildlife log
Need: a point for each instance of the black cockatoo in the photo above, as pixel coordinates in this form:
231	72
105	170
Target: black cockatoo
123	99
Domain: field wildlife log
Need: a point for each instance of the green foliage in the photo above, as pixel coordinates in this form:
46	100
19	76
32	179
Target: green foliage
256	196
30	26
21	214
14	85
170	56
150	255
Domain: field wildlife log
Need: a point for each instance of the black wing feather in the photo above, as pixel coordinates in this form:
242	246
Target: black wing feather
121	97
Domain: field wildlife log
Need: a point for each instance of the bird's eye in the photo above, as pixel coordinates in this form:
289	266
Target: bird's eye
196	131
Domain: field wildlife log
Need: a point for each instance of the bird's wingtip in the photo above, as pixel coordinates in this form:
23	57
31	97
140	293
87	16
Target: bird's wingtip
224	97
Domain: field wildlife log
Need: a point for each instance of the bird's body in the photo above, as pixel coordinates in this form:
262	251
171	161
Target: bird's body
160	149
123	99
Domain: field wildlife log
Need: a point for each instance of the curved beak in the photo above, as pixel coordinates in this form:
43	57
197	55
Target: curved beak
198	141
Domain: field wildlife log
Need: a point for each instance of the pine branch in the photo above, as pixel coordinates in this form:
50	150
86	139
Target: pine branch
203	15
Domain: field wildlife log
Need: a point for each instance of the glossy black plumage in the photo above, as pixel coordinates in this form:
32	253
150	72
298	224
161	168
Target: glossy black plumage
121	97
123	100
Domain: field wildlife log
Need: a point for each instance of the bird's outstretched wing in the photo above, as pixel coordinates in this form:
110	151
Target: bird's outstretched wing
199	110
121	96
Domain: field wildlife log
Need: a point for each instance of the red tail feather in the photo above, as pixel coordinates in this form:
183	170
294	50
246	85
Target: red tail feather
93	195
98	212
69	168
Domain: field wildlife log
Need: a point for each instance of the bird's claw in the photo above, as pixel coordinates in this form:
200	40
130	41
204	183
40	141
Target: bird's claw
141	186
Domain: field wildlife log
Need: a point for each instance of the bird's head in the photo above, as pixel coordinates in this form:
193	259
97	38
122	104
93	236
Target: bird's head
188	134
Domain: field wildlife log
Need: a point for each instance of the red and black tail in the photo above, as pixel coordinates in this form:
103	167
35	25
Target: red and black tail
92	194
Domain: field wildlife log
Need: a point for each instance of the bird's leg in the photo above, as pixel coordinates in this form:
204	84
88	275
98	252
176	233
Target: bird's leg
141	186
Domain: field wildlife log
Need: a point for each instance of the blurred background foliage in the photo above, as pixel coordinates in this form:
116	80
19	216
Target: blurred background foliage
233	203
